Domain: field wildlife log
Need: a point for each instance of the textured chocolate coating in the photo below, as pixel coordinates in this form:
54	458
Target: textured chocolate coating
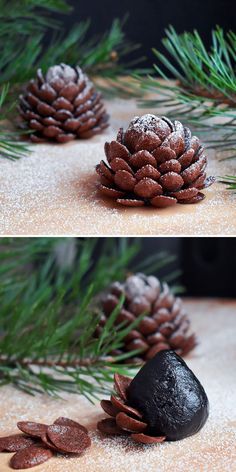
170	397
154	162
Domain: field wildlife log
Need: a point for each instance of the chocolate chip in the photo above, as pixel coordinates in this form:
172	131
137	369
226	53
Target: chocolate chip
45	439
111	192
155	338
155	349
62	420
185	193
193	171
186	158
110	409
171	181
163	154
120	164
68	439
116	149
14	443
121	383
147	188
147	171
170	166
125	408
31	428
30	457
142	158
145	439
162	201
130	424
103	169
125	180
109	426
147	325
176	142
137	344
198	198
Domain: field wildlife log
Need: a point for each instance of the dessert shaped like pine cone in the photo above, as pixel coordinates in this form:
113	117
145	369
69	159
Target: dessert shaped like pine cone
165	325
125	419
154	162
163	401
62	105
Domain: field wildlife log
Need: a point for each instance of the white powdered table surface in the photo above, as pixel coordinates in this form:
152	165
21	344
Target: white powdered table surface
53	191
211	450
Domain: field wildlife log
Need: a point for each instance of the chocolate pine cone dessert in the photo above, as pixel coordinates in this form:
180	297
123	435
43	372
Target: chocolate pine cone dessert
62	105
165	325
154	162
164	401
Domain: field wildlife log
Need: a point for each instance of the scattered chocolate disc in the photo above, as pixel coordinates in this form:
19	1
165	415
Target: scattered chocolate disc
14	443
68	439
31	428
30	457
62	420
49	443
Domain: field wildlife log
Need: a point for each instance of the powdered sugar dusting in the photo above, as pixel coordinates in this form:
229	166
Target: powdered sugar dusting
212	449
53	191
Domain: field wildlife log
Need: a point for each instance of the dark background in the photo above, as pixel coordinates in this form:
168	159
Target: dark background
207	265
149	18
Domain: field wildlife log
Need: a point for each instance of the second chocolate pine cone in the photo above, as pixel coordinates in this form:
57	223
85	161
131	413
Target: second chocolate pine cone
154	162
165	325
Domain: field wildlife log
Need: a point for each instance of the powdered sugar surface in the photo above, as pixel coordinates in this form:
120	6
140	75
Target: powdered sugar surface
211	450
53	191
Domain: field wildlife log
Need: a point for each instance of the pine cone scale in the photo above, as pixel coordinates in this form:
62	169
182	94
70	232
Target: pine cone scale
157	158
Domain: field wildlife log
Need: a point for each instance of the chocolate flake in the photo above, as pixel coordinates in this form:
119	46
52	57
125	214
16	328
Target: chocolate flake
31	428
68	439
30	457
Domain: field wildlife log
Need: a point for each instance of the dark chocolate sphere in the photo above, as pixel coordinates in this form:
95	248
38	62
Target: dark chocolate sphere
170	397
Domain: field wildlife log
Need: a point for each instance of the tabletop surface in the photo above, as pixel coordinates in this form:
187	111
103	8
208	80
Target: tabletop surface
53	191
211	450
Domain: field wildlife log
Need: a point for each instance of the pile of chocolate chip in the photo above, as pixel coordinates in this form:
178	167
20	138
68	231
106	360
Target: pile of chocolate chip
41	441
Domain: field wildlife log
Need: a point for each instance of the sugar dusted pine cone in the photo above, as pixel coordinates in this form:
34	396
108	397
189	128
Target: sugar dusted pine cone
165	325
154	162
62	105
163	401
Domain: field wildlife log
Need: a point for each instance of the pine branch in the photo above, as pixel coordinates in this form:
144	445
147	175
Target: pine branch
47	317
230	181
23	33
204	94
10	148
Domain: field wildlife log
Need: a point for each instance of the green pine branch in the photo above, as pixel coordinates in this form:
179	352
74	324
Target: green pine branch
204	92
230	181
27	26
10	147
48	315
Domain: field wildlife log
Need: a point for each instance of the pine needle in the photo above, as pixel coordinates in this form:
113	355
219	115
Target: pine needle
230	181
48	316
204	94
10	147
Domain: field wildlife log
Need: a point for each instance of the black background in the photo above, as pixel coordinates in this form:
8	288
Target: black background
149	18
207	265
